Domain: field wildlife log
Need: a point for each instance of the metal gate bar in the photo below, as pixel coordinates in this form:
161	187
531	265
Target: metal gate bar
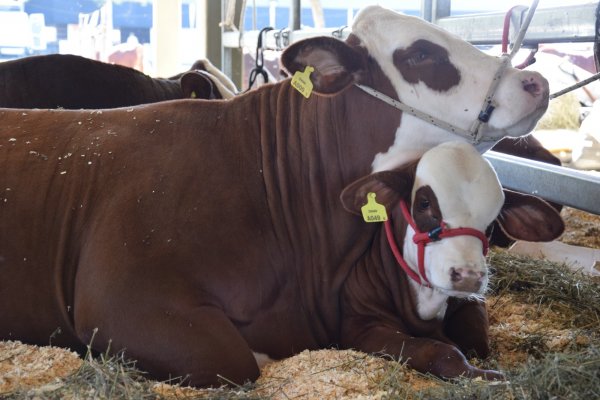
562	185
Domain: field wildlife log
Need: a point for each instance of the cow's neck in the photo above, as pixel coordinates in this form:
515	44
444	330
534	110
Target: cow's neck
318	146
430	303
379	283
311	149
413	138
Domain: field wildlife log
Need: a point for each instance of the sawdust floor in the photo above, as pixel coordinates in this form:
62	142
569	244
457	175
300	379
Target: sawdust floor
517	330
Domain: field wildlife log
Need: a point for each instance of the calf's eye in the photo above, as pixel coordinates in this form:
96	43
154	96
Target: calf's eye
424	204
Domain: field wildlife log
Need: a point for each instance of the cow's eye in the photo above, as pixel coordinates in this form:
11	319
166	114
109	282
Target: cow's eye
424	204
417	58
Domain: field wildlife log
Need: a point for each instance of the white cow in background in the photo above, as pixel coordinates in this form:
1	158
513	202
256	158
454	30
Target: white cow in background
561	73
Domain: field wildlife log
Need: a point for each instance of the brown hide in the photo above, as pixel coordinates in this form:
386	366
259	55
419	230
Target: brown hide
75	82
190	233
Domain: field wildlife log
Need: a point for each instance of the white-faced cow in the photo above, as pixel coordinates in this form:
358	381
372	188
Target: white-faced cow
194	234
74	82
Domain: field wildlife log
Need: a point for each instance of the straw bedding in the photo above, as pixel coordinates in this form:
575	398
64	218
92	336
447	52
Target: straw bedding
545	334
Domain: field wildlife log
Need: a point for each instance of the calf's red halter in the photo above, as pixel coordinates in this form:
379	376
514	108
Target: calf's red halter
424	238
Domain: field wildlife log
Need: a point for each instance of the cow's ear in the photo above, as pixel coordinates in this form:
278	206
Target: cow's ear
196	85
336	64
525	217
388	186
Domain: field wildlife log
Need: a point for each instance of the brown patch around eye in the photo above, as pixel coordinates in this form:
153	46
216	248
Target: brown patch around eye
426	210
427	62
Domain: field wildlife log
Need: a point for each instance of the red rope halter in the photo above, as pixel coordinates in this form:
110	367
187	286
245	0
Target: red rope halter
422	239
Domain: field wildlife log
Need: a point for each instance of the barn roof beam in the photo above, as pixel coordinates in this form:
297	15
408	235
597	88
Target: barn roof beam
549	25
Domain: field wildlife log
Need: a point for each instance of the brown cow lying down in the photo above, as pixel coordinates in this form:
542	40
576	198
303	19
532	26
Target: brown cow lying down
195	234
74	82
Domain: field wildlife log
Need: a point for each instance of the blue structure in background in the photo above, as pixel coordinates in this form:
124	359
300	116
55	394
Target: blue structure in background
129	17
334	17
134	17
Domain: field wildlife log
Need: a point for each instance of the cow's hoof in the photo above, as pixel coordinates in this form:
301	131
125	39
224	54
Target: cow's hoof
487	374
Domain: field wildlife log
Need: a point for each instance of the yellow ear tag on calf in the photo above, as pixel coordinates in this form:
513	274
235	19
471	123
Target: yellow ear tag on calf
301	81
373	211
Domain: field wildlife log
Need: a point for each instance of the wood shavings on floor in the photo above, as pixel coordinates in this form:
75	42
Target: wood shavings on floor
24	366
324	374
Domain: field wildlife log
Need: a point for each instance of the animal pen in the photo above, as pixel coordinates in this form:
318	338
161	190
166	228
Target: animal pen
544	317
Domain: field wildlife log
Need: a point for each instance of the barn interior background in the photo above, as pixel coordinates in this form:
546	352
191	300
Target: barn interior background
545	311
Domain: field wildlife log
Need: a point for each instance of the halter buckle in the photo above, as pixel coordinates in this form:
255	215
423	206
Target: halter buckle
434	234
486	114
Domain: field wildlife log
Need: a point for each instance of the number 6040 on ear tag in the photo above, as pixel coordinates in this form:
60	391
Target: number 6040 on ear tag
373	211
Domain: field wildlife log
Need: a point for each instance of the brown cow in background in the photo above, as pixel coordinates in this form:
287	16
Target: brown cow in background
74	82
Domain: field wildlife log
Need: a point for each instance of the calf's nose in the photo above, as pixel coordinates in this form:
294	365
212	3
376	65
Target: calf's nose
466	279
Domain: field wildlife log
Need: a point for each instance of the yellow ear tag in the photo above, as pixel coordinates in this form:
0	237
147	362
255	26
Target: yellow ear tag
373	211
193	94
301	81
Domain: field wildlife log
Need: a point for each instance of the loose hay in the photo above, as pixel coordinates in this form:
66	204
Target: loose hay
583	228
574	295
92	378
564	112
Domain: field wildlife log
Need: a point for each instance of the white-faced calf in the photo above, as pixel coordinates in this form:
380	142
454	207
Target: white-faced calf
417	292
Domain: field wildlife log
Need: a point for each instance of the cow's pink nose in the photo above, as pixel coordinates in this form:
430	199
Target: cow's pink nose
466	279
533	85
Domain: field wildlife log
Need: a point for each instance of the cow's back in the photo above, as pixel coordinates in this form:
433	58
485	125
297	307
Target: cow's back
75	82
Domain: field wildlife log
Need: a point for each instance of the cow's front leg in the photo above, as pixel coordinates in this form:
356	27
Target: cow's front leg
466	324
423	354
199	344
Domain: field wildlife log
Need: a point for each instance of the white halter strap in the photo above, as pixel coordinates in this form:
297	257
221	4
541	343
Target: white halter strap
474	133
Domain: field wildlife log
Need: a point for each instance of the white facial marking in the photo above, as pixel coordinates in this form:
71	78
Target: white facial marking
469	195
431	303
383	31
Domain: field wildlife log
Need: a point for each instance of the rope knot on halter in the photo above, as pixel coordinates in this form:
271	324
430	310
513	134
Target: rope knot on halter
422	239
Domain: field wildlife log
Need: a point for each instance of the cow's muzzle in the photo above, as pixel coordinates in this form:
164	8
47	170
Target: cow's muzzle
464	279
